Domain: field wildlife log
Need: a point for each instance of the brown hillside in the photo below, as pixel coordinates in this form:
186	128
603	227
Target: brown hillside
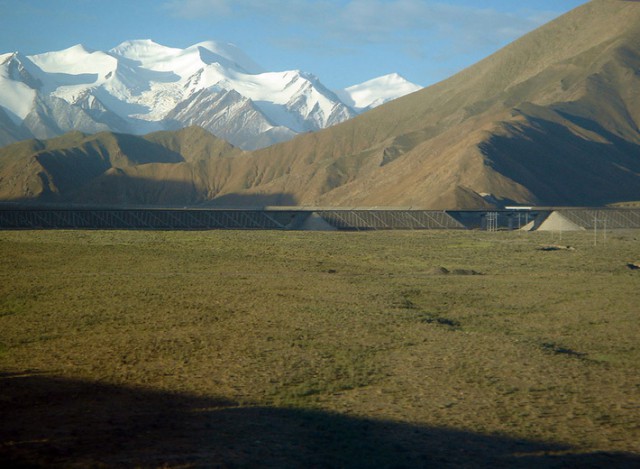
74	167
552	118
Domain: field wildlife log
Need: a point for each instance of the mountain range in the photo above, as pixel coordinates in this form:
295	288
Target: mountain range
141	86
551	119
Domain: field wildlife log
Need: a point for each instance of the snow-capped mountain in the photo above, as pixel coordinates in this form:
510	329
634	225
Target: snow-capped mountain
375	92
141	86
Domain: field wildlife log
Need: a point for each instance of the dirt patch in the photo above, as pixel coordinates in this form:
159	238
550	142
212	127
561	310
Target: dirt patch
439	271
445	271
561	350
465	272
556	247
429	318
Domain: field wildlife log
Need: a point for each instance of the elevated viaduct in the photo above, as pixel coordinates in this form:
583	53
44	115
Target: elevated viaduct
310	218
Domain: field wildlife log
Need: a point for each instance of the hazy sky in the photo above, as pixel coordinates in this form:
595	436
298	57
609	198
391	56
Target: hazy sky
342	41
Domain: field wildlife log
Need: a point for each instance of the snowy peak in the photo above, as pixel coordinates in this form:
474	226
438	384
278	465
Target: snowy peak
19	85
212	51
153	56
19	68
144	50
373	93
76	60
141	86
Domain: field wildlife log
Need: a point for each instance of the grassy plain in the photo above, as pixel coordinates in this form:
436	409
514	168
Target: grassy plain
292	349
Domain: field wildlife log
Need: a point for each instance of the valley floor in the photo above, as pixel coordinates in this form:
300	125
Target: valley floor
306	349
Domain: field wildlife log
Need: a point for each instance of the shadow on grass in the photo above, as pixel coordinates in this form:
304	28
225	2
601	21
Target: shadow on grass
53	421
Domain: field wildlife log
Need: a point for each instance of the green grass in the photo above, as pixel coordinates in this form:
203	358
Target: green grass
543	346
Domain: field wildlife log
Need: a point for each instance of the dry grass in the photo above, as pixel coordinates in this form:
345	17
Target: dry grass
282	337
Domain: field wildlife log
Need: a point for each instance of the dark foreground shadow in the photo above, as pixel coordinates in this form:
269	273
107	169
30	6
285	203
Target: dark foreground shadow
51	421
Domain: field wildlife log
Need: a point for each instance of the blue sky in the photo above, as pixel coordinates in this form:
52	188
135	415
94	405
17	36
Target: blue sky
344	42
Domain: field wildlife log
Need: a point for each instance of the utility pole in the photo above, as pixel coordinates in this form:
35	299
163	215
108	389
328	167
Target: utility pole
492	221
596	220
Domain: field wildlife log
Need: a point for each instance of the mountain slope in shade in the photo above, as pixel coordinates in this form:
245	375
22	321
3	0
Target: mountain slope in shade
551	119
141	86
72	168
